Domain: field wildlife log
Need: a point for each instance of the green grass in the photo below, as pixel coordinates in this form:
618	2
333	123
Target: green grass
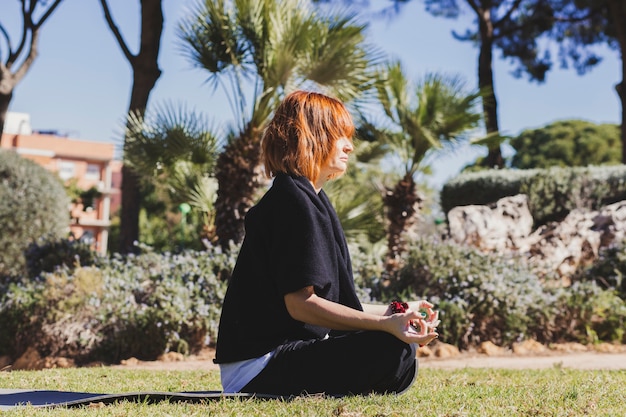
466	392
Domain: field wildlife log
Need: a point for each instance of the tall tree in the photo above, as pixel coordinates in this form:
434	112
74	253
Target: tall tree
146	72
616	13
513	26
16	60
267	47
567	143
434	114
595	22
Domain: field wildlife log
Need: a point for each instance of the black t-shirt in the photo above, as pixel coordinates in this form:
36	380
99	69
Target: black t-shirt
293	240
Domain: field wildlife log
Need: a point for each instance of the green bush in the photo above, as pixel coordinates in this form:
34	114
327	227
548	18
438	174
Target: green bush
481	297
33	205
486	297
608	270
46	255
134	306
567	143
585	313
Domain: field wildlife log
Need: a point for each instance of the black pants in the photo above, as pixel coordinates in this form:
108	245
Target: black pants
354	363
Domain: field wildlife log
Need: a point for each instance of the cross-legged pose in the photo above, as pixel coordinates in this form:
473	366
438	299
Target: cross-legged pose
291	321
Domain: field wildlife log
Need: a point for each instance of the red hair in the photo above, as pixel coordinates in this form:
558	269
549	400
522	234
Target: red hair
302	134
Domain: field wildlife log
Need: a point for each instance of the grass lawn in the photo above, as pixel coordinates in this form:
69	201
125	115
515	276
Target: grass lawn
465	392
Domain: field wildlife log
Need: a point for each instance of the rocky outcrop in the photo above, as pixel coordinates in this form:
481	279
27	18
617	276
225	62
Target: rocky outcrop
560	247
497	228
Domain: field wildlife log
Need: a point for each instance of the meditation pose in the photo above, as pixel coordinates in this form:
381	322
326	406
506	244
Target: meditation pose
291	321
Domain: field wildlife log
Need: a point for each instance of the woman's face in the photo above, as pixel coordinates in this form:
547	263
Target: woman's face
337	162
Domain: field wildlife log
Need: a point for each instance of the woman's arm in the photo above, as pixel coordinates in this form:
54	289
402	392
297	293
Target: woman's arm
304	305
377	309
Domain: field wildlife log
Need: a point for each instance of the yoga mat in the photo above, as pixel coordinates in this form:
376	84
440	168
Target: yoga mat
49	398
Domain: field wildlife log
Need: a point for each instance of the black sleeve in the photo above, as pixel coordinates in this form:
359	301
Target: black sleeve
300	254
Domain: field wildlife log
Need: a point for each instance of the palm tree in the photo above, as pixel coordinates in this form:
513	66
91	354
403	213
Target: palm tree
432	115
267	47
175	150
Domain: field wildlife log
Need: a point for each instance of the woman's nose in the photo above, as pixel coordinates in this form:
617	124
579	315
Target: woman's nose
348	147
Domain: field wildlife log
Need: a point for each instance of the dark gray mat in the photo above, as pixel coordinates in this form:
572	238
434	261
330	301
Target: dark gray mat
49	398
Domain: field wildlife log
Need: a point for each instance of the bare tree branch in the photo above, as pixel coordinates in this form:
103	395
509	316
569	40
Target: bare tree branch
47	14
116	32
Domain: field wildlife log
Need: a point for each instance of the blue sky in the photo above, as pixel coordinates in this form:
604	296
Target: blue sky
80	83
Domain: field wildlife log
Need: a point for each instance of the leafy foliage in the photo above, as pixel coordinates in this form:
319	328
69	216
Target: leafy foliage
47	255
609	270
567	143
519	27
139	306
174	151
33	205
487	297
481	297
270	48
434	114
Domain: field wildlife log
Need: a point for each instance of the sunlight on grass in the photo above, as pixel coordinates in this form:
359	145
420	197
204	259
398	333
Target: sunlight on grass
466	392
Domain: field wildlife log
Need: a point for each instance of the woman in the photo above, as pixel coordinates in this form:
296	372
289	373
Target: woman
291	321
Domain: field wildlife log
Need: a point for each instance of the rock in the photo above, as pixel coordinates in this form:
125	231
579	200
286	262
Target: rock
30	360
528	347
171	357
492	229
556	247
424	352
489	349
608	348
57	362
569	347
445	350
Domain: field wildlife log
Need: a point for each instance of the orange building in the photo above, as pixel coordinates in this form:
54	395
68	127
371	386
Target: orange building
90	165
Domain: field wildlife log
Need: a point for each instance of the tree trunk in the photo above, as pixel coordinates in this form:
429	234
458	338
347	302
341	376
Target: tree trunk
237	176
402	205
617	12
5	100
146	72
485	83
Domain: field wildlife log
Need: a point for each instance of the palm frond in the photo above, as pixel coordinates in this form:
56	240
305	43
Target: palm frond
170	142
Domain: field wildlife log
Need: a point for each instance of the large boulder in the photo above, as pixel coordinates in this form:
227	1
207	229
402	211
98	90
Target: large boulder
560	247
492	228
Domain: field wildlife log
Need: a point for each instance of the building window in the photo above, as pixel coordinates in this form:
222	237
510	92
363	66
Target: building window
93	172
67	170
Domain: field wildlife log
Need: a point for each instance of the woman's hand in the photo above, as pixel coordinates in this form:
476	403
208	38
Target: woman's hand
410	327
424	325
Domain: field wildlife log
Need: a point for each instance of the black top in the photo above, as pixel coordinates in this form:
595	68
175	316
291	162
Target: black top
293	240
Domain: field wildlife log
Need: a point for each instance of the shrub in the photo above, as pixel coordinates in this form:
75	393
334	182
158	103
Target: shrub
138	305
33	205
585	313
46	255
608	270
484	297
482	187
480	296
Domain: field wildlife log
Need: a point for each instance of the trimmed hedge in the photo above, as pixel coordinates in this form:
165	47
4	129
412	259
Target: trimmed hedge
33	205
552	192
